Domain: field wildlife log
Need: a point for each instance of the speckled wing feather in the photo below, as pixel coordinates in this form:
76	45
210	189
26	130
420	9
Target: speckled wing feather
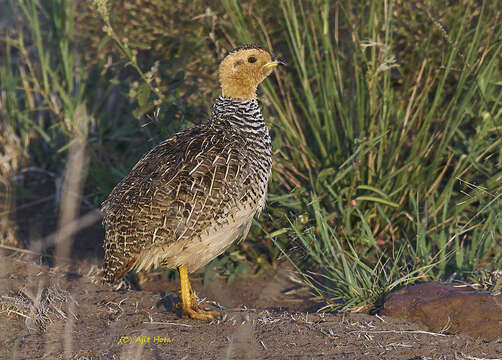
181	188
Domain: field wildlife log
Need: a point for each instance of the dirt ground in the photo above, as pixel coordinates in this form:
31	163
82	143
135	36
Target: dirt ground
64	312
268	317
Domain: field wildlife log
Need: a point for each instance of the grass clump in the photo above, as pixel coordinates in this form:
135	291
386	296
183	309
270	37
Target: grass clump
40	308
396	175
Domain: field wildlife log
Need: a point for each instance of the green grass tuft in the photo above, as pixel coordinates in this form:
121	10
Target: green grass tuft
400	171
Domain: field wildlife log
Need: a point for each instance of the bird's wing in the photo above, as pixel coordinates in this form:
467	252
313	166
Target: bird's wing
181	187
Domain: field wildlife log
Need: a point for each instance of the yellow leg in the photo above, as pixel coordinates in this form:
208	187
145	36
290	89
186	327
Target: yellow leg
189	306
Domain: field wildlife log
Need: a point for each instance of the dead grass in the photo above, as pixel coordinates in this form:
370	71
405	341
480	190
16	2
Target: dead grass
104	316
10	162
39	308
486	280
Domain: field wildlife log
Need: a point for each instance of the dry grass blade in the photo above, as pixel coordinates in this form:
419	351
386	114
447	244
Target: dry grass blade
40	308
73	182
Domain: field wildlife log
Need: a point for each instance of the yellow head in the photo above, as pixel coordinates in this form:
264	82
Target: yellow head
243	69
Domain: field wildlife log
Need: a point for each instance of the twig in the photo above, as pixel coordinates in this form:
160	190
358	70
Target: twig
397	332
165	323
262	344
379	318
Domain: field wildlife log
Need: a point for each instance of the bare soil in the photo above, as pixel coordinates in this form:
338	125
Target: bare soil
268	317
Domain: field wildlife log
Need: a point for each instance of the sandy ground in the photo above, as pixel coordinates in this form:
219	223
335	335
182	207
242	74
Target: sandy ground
268	317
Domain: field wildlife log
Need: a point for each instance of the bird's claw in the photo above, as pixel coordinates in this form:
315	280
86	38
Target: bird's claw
199	314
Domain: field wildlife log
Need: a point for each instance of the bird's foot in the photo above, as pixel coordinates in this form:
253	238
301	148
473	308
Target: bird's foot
193	311
199	314
189	304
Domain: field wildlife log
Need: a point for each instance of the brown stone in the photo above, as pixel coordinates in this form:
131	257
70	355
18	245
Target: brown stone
448	309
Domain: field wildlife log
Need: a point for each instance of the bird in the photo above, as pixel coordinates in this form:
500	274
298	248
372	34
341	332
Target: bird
194	194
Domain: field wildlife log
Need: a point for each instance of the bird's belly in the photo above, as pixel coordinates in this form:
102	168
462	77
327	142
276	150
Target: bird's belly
198	251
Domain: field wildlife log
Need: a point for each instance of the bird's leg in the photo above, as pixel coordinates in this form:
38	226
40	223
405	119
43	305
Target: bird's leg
189	306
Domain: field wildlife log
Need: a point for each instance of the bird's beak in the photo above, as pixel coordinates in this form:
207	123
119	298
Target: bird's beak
275	61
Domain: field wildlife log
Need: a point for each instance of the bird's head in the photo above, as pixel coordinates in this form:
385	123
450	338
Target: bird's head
243	69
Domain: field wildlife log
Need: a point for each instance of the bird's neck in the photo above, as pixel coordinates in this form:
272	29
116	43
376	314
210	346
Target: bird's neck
243	117
237	112
238	91
238	88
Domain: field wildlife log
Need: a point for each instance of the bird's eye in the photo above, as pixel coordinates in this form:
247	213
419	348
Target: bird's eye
251	59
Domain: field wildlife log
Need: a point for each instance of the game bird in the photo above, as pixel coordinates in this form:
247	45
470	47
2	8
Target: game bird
193	195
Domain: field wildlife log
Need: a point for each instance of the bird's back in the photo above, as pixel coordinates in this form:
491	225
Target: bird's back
192	195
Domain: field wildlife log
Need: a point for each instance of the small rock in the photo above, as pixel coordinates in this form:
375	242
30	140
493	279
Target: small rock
448	309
